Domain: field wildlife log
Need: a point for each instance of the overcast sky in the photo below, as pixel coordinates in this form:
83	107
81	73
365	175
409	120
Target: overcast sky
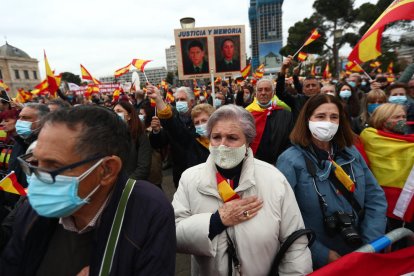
106	35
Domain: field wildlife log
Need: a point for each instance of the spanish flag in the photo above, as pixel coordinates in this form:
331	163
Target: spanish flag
375	64
169	97
326	73
390	68
302	56
140	63
23	96
87	76
51	80
314	36
246	70
369	47
259	71
41	88
3	86
115	95
312	71
352	67
9	184
122	71
218	80
391	158
225	189
197	92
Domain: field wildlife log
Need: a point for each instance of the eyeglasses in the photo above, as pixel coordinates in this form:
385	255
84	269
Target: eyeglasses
29	166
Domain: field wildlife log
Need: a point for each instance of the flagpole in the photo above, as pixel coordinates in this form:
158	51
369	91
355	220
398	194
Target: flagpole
213	93
366	74
297	52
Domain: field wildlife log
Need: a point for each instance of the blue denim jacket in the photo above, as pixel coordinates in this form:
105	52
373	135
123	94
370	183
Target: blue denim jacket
368	194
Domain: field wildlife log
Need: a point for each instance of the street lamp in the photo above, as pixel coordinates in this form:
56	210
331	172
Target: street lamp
187	22
337	34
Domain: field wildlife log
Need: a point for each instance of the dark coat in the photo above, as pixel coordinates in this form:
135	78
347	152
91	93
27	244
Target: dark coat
189	68
146	245
222	66
186	150
139	166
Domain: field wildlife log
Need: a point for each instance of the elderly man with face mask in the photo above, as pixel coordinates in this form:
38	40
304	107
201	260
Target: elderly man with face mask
273	123
85	216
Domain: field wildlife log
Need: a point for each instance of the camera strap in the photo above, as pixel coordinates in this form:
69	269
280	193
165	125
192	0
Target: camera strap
233	259
338	185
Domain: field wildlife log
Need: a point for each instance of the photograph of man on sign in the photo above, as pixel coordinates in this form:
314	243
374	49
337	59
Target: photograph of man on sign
195	56
227	53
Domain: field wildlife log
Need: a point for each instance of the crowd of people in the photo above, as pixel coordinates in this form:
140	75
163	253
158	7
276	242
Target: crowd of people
252	163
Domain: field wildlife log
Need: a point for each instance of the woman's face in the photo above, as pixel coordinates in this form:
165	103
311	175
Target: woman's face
119	109
398	115
200	119
9	124
345	87
228	133
326	112
377	100
398	92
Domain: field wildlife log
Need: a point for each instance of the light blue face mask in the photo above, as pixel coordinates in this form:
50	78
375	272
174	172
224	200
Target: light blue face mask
217	103
121	115
181	106
363	83
397	99
264	105
352	83
371	107
23	128
59	199
345	94
201	130
141	117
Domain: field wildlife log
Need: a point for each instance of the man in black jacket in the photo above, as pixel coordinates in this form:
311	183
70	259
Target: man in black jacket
74	193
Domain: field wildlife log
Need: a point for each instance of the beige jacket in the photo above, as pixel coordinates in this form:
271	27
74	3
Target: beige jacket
257	240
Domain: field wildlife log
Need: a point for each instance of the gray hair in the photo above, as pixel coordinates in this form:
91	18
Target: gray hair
186	90
42	109
266	80
237	114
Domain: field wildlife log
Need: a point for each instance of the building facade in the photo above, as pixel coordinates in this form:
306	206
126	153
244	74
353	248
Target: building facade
155	75
18	69
265	17
406	49
171	58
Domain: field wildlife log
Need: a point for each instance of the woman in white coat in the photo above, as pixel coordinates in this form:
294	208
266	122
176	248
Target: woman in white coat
234	211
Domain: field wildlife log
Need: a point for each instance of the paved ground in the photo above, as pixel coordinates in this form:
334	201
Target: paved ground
182	267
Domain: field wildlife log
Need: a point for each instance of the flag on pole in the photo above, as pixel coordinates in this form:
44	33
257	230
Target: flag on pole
51	80
169	97
353	67
140	63
326	73
313	72
259	71
246	70
41	88
375	64
218	80
4	86
369	46
87	76
11	185
23	96
122	71
115	95
314	36
390	68
302	56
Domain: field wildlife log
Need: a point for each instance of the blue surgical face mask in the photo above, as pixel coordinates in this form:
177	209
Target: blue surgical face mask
24	128
201	130
371	107
264	105
141	117
182	106
59	199
217	103
363	83
352	83
121	115
397	99
345	94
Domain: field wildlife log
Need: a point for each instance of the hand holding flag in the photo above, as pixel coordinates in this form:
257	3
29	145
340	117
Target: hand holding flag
314	36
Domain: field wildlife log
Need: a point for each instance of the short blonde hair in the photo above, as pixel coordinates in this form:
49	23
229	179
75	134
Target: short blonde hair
376	94
202	108
382	113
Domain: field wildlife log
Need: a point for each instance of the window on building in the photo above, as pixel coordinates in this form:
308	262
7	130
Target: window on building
35	75
26	74
16	74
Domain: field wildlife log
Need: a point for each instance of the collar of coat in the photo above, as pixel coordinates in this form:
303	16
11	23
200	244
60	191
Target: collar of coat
208	184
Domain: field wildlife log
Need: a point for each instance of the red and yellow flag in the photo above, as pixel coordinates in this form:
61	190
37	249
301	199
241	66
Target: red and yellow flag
391	159
122	71
314	36
259	72
225	189
353	67
23	96
51	79
197	92
375	64
140	63
115	95
390	68
4	86
169	97
313	72
11	185
302	56
246	70
218	80
369	46
326	73
41	88
87	76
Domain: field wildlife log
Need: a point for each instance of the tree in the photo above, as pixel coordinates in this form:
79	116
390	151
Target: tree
70	77
170	77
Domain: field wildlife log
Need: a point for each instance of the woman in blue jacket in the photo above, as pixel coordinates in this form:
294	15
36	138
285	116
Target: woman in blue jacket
336	192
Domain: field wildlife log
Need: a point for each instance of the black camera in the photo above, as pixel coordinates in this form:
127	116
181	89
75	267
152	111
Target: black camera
343	223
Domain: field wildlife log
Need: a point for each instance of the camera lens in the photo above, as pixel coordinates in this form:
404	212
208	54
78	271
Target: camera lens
351	236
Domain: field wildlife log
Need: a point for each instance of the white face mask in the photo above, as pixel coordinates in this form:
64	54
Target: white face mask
226	157
323	131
